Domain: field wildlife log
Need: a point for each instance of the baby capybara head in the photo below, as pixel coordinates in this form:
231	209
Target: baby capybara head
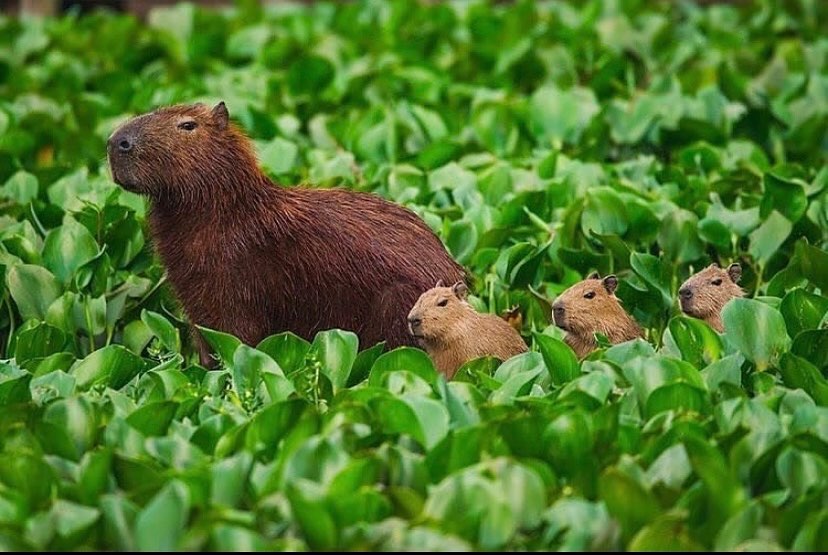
168	152
704	294
438	311
580	308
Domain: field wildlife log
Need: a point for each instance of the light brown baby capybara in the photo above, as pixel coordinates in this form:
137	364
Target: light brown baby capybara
453	333
705	293
591	306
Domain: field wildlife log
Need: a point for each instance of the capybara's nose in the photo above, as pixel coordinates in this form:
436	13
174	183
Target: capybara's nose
414	321
558	312
685	293
121	142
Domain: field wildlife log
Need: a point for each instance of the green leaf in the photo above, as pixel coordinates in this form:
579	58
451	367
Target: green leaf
33	289
22	188
223	344
666	533
67	248
559	358
802	310
279	156
153	419
757	330
288	350
38	341
627	500
113	366
336	351
768	237
309	75
557	115
699	344
655	274
404	358
309	510
785	195
160	525
162	329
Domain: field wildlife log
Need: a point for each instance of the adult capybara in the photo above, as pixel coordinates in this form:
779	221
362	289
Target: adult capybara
453	333
591	306
251	258
705	293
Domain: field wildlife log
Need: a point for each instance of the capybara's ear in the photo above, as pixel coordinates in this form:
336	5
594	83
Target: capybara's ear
735	272
460	290
714	265
220	115
594	275
439	283
610	284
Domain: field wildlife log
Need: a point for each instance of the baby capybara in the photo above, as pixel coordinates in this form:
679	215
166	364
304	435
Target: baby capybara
453	333
705	293
251	258
591	306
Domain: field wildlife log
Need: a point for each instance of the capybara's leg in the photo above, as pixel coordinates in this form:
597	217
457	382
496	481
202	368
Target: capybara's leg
205	354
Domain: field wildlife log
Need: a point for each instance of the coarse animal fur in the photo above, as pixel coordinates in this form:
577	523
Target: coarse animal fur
251	258
453	333
591	306
705	293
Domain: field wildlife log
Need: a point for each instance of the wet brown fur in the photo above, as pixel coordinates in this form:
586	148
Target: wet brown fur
248	257
705	293
456	333
581	317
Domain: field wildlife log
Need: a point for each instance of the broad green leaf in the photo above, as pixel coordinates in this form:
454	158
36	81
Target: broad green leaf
163	330
404	358
33	289
768	237
223	344
22	187
160	524
67	248
559	359
803	310
335	351
756	329
113	366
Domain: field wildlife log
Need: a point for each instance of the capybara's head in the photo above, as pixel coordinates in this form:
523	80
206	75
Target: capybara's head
438	311
582	308
704	294
171	151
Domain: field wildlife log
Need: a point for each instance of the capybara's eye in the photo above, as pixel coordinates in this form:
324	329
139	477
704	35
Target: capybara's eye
589	295
717	281
444	302
187	125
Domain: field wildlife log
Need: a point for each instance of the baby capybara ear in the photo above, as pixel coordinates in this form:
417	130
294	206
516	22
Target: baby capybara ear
594	275
220	115
460	290
735	272
610	284
439	283
714	265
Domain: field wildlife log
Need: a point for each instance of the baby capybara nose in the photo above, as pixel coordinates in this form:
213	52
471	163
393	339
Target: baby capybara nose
122	142
414	321
685	293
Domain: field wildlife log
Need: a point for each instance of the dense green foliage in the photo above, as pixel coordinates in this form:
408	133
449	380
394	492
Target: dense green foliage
541	141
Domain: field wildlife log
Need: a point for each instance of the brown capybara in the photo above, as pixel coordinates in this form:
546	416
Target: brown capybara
705	293
591	306
453	333
251	258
